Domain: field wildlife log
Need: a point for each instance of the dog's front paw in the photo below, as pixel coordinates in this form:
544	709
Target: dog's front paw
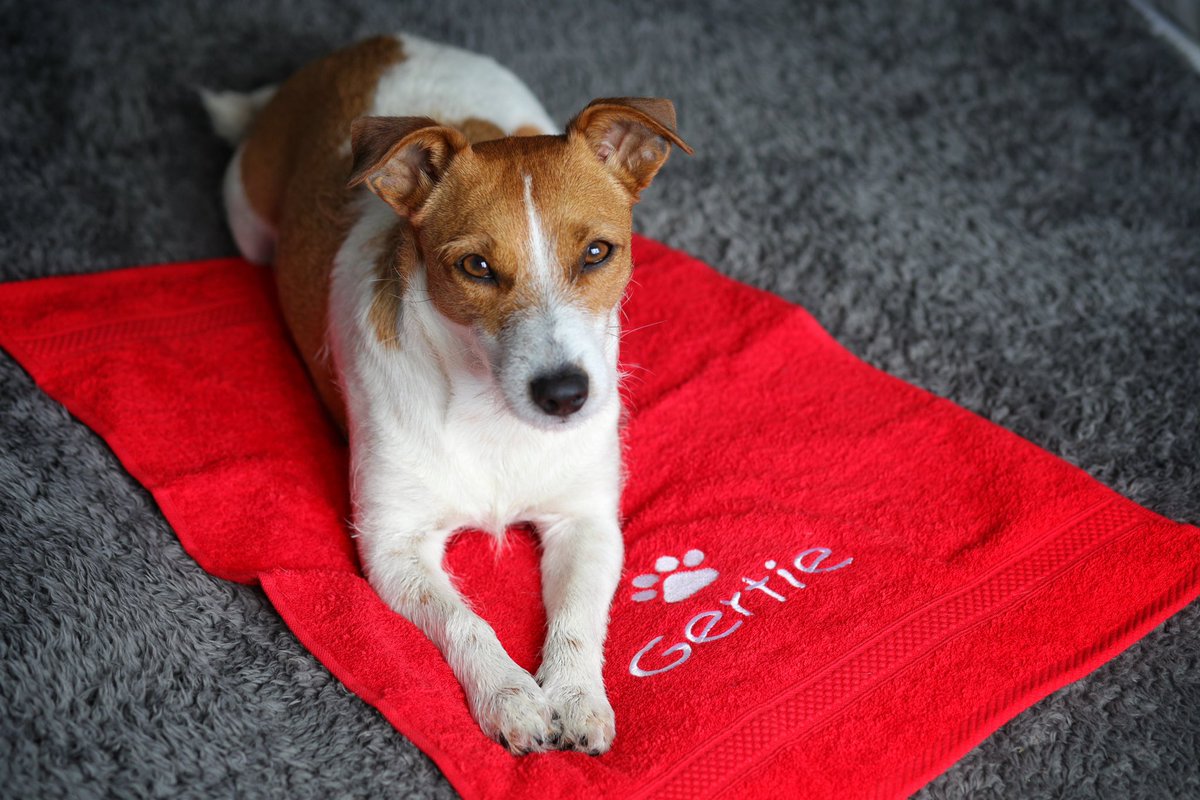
516	713
584	717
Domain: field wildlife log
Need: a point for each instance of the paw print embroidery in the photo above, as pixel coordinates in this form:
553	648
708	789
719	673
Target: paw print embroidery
679	584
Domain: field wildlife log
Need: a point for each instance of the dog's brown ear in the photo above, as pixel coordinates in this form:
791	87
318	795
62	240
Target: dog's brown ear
402	158
632	136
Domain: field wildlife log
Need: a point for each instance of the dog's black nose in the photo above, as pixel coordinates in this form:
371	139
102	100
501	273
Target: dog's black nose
561	393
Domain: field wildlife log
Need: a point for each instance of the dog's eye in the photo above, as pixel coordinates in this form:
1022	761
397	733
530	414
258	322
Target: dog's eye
477	267
596	254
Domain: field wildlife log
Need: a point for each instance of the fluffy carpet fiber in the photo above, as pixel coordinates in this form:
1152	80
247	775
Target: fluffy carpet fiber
994	200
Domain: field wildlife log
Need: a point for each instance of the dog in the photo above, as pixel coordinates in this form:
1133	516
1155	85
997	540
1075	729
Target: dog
451	270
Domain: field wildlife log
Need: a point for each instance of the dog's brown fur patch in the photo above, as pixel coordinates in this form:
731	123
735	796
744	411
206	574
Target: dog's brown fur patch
483	192
479	130
397	255
294	167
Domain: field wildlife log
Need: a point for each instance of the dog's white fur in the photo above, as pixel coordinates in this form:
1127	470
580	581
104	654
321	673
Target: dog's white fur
440	442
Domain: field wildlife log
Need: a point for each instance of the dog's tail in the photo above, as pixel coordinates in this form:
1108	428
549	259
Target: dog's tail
232	113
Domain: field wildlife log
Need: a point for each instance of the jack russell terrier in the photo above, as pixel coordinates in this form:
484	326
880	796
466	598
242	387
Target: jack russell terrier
452	271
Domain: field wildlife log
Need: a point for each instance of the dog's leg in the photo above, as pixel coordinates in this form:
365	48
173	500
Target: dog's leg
581	564
505	700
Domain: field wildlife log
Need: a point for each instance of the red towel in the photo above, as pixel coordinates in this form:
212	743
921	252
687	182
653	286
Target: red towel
836	583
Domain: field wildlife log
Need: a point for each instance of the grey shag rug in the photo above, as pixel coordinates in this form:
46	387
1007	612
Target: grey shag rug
998	201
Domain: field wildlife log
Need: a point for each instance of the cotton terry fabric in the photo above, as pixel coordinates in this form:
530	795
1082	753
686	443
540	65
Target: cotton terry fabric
835	584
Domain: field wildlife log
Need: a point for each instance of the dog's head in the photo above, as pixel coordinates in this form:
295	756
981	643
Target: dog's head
525	240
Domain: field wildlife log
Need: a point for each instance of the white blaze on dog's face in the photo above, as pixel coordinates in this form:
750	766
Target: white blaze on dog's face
526	241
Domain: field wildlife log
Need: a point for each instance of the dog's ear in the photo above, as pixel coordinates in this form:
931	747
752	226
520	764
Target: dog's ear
402	158
632	136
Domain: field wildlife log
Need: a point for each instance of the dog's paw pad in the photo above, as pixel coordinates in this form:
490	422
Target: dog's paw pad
679	584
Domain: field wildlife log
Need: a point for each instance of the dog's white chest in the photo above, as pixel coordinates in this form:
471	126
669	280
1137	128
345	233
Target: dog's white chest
492	471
